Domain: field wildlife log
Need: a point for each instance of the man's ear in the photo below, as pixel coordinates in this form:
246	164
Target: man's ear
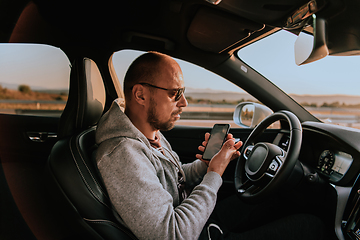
139	94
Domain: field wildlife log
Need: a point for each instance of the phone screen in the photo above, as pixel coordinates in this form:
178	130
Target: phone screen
216	140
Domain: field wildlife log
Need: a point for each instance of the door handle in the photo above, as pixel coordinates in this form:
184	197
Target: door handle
41	136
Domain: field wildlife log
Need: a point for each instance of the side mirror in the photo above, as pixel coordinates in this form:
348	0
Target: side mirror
249	114
310	48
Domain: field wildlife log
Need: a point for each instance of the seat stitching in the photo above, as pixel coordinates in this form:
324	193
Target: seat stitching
82	176
101	221
94	179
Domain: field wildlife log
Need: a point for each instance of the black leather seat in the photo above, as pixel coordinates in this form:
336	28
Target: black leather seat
74	181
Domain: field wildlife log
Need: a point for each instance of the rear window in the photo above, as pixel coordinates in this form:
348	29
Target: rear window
34	79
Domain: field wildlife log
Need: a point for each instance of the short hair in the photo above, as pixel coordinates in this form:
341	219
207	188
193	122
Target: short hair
142	69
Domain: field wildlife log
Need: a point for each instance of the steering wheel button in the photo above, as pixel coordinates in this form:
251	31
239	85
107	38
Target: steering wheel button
248	151
274	165
241	190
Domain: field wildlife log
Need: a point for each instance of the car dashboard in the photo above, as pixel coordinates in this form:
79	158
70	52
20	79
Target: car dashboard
334	154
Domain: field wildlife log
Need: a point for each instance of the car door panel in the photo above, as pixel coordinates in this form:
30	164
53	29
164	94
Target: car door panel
22	164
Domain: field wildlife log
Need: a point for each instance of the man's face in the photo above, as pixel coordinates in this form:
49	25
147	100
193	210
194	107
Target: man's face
164	110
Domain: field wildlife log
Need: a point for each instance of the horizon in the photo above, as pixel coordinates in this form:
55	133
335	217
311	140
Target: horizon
14	86
40	88
55	70
228	97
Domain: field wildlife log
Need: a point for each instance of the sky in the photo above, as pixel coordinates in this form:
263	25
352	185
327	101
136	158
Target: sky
48	67
330	75
194	76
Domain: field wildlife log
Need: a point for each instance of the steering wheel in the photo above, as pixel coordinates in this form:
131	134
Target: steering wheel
264	167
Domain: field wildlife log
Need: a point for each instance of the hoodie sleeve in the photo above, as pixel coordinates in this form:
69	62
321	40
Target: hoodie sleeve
132	178
194	172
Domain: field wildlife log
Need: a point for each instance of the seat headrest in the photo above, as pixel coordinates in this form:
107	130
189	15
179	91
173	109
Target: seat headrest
86	99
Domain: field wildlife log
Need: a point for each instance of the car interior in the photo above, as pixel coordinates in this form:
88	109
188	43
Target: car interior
50	185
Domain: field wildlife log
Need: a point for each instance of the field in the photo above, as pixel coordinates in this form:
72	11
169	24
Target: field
16	101
196	114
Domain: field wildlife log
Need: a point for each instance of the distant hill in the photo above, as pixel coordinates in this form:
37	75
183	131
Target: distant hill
9	86
218	95
12	94
321	99
12	86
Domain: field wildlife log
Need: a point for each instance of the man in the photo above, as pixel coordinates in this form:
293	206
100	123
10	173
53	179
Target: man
143	176
145	180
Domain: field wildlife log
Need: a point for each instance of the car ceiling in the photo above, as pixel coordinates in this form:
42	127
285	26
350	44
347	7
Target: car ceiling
177	26
195	30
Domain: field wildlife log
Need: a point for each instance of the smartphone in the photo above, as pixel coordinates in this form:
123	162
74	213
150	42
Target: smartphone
217	137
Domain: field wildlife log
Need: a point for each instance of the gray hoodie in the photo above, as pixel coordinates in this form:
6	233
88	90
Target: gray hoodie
142	182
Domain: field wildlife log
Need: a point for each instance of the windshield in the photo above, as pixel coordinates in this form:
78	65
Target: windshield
328	88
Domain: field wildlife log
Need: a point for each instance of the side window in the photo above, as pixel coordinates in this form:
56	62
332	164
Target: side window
212	99
34	79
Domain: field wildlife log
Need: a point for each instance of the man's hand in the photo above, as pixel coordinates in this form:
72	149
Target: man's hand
202	148
220	161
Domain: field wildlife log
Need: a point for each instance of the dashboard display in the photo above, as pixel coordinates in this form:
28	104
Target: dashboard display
334	164
326	162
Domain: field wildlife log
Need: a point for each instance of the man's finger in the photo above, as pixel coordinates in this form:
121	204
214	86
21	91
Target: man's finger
201	148
229	136
207	136
238	144
198	156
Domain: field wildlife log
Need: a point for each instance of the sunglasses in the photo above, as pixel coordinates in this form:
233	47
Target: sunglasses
178	91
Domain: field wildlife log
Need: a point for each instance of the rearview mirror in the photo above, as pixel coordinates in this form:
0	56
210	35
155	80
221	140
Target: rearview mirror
310	48
249	114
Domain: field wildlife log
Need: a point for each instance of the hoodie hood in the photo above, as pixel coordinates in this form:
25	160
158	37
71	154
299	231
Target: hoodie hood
114	123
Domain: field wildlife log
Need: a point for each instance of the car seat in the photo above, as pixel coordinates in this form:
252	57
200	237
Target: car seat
75	184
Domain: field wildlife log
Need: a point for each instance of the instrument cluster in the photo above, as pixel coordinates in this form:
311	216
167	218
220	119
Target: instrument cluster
334	164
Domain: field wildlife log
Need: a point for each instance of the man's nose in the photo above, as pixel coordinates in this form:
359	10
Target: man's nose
182	102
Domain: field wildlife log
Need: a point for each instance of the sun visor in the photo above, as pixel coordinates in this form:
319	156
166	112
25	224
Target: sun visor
215	31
